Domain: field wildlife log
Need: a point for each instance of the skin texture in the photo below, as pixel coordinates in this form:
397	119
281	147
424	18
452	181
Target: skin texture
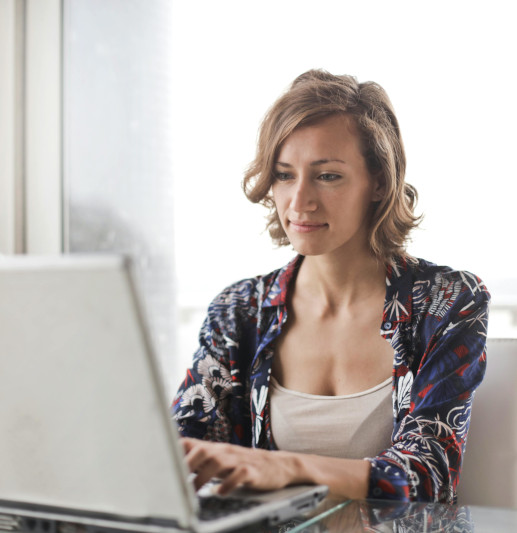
331	345
323	191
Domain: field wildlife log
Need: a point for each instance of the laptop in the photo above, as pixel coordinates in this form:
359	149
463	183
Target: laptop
86	433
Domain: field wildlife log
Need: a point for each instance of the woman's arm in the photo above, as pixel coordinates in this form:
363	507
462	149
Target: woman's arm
269	470
210	403
435	391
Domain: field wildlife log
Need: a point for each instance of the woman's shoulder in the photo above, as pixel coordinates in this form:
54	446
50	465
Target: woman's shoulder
265	289
429	280
433	271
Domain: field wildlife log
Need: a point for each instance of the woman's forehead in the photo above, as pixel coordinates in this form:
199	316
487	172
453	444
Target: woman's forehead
333	134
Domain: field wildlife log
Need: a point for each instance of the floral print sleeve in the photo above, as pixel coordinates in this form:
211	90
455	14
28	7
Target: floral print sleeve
211	401
440	359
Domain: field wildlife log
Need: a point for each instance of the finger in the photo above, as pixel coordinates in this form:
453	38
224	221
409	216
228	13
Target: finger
196	456
188	443
199	451
208	465
209	460
240	475
209	471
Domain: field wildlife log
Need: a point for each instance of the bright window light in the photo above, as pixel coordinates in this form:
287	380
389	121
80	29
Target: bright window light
447	67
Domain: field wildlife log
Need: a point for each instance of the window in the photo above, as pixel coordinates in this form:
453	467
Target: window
117	148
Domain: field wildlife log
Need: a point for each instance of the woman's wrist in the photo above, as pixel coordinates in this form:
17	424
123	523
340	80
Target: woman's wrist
345	477
295	467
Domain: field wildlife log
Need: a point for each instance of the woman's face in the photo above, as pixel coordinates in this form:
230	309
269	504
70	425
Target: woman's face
322	189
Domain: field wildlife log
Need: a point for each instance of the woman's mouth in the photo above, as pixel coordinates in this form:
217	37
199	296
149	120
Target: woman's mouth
306	227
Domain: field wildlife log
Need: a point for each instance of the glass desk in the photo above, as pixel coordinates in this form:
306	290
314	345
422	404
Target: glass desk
380	516
332	516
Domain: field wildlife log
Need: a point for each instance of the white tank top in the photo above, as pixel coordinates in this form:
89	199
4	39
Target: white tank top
353	426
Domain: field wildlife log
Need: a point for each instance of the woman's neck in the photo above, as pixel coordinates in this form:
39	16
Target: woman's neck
337	282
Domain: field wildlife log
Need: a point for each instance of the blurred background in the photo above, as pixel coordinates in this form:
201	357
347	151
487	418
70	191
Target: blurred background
127	126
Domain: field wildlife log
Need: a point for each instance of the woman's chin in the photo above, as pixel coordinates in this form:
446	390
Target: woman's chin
307	250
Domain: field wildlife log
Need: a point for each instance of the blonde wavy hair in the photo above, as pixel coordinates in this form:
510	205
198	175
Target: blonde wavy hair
317	94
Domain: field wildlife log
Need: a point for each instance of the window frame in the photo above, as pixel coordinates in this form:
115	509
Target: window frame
31	176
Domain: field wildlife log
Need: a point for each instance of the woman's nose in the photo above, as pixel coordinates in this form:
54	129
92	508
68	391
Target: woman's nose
303	198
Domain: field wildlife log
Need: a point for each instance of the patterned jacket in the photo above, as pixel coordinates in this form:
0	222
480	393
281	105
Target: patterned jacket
436	321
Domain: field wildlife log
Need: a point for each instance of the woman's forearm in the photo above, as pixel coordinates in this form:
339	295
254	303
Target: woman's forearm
345	477
269	470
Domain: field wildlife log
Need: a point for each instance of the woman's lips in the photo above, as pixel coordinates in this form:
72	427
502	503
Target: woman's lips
306	227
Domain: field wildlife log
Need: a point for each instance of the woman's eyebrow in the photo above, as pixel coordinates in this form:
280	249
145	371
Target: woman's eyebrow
323	161
313	163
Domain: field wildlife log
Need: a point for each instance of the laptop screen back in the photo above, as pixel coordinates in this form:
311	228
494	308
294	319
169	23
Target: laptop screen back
83	416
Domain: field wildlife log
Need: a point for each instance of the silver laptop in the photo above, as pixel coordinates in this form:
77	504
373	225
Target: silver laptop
86	433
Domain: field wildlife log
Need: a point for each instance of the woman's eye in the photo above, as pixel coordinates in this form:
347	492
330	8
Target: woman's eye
329	177
282	176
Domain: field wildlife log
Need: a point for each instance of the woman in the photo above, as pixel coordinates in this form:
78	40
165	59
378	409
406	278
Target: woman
291	365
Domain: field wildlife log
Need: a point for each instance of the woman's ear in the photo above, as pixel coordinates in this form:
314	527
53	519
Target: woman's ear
379	187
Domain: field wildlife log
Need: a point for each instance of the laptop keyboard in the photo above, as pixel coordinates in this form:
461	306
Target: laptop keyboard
215	507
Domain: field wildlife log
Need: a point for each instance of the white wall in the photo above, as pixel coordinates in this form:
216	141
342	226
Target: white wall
448	68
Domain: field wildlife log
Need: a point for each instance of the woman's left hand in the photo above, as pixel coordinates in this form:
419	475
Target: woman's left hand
239	466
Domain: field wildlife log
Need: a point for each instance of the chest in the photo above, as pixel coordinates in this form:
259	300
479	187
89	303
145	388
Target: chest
332	355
